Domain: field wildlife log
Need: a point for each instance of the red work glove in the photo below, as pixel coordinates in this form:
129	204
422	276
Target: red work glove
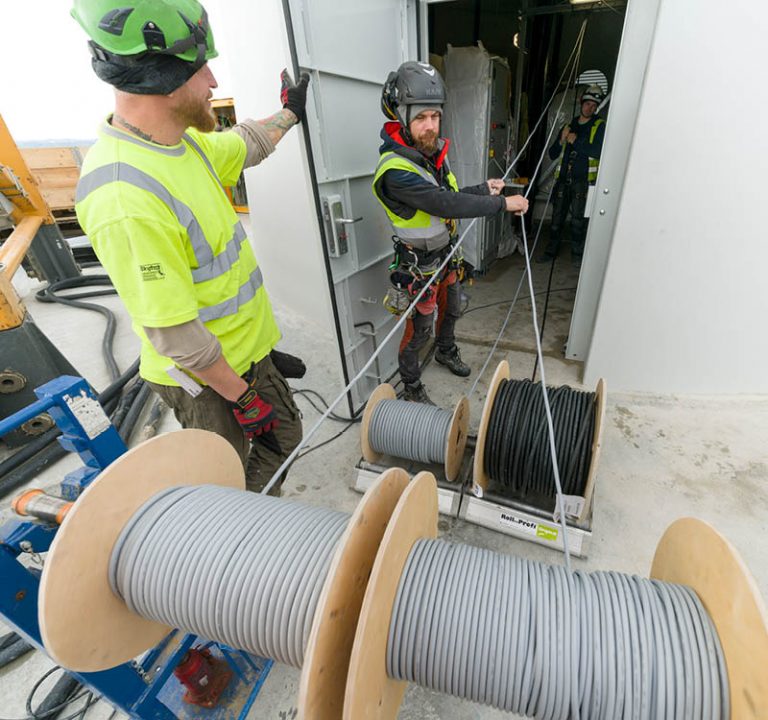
256	416
293	96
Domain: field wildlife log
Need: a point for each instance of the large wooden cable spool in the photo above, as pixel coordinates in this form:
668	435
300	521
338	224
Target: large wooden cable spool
85	627
691	552
481	480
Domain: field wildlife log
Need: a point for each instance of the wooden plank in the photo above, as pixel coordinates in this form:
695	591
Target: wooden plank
60	198
57	177
54	157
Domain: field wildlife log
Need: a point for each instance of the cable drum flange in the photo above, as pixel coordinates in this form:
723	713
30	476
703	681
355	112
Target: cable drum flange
422	433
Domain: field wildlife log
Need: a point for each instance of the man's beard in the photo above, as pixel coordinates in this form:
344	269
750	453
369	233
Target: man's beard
426	146
197	115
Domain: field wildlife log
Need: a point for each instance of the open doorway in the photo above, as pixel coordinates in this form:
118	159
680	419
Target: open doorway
516	71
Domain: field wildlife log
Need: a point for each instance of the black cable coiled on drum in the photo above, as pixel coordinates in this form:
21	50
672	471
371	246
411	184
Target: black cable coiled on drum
517	452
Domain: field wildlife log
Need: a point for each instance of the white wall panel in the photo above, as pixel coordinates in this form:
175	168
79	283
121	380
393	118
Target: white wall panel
683	306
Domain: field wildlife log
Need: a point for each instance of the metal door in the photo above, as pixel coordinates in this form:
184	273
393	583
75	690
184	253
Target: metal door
349	47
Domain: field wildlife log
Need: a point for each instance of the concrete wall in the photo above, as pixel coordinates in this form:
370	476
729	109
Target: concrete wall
683	306
284	227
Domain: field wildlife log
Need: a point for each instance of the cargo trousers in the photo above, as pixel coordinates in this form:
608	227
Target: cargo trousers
210	411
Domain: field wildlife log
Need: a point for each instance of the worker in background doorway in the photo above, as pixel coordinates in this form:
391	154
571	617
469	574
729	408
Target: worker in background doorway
151	199
422	199
577	149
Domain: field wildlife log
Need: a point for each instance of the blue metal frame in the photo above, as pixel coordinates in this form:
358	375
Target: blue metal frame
87	431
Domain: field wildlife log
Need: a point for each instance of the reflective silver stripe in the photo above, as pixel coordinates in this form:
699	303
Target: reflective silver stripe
224	261
232	305
107	129
200	152
122	172
431	231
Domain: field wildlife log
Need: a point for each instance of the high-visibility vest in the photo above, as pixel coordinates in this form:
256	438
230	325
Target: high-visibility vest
163	227
423	231
594	163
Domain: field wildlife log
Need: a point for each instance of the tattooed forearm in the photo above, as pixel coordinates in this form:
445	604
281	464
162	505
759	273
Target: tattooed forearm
278	124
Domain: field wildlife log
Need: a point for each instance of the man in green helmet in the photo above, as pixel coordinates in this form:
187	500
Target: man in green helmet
151	199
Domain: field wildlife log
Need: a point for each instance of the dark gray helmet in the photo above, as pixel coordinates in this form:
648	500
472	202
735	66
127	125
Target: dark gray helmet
415	86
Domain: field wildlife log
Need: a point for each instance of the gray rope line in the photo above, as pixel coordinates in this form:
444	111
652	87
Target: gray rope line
239	568
537	640
410	430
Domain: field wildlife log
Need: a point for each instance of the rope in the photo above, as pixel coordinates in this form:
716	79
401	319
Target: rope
410	430
238	568
539	641
516	454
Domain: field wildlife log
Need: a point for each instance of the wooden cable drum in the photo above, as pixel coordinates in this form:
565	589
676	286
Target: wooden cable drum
512	444
414	431
716	591
95	548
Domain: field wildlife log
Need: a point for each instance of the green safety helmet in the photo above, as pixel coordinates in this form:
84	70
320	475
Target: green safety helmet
121	30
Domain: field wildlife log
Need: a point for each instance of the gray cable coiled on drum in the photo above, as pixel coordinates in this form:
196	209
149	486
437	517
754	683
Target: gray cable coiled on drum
410	430
243	569
531	639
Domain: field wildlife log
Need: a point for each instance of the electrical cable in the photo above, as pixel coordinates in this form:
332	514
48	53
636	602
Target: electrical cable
515	447
52	712
410	430
66	686
194	558
474	308
540	641
308	392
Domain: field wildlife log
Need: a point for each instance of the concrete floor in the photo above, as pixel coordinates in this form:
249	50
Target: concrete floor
663	457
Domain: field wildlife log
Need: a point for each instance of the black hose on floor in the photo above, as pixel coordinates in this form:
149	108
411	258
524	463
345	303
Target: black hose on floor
14	651
50	294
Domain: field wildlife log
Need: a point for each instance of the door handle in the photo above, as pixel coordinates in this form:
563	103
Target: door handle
348	221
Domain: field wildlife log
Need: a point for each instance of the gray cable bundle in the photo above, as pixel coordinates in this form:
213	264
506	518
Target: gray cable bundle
243	569
531	639
410	430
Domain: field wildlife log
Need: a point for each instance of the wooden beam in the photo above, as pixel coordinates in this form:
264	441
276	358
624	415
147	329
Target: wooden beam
11	308
15	247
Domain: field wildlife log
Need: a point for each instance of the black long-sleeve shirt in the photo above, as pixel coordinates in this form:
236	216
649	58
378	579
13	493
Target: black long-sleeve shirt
579	152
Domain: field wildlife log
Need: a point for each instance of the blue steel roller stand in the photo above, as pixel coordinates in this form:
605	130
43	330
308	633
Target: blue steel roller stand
140	689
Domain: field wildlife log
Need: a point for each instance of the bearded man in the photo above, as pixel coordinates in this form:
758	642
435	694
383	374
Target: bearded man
423	201
152	200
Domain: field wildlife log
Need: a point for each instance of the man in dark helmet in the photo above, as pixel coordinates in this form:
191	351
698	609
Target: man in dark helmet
151	199
423	201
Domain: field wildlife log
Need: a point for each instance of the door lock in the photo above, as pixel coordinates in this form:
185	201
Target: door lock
335	225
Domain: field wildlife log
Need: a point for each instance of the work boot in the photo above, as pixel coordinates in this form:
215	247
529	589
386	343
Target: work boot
416	392
452	360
